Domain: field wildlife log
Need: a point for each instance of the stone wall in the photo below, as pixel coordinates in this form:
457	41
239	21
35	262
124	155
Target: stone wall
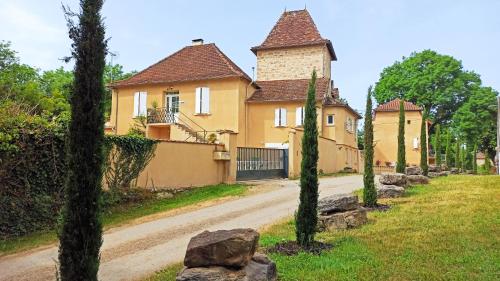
293	63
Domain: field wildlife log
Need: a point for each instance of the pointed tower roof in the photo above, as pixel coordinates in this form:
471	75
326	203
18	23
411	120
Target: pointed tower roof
294	29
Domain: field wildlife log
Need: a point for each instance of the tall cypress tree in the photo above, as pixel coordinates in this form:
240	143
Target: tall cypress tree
423	143
369	191
458	162
401	163
448	150
81	234
474	159
438	145
307	217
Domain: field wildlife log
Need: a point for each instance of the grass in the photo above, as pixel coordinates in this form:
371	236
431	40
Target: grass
122	214
336	174
447	230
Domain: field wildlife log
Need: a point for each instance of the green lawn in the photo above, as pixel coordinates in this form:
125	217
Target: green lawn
448	230
123	214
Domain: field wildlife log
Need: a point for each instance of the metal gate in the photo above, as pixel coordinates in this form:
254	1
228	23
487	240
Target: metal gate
261	163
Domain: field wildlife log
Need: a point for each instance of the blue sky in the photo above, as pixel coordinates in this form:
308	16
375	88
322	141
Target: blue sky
366	35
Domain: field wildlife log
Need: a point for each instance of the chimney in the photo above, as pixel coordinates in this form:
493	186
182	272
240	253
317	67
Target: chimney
197	42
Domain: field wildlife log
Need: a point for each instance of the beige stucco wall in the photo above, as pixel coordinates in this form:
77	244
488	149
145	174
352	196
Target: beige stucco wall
338	131
327	148
293	63
173	163
385	137
226	105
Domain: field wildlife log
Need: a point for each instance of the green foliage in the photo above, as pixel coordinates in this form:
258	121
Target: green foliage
361	139
81	236
448	152
138	128
487	164
401	163
307	217
437	145
437	82
474	159
127	157
423	143
369	190
458	159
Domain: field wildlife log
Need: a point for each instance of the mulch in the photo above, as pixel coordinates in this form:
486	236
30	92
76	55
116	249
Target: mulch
291	248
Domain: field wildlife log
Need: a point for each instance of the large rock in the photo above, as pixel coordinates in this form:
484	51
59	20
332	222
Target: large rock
454	171
260	268
338	203
444	167
393	179
344	220
433	175
232	248
390	191
444	173
417	179
434	168
413	170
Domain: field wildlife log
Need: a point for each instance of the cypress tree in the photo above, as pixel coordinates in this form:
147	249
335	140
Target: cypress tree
423	143
438	145
369	191
401	163
458	162
307	217
474	159
81	234
463	160
487	163
448	150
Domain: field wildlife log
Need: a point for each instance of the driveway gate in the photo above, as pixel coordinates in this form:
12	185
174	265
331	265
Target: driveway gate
261	163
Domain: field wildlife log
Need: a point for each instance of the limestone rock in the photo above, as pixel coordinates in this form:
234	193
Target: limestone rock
260	268
413	170
444	167
434	168
454	171
393	179
344	220
390	191
417	179
338	203
433	175
232	248
444	173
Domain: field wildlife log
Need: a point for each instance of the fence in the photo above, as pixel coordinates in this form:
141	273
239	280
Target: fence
383	169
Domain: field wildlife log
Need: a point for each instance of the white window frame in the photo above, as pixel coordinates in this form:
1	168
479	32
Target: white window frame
333	120
299	116
140	104
202	100
280	117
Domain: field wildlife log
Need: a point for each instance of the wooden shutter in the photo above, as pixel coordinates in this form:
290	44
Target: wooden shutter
197	103
136	104
299	116
143	103
205	100
277	117
283	117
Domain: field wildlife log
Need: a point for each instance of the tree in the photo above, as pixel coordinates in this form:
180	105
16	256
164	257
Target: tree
369	190
474	159
487	163
423	143
401	163
81	234
437	145
448	150
434	81
458	162
361	139
307	217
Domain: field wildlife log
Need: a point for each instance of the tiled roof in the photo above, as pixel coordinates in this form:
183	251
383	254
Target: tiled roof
191	63
393	105
334	101
287	90
295	29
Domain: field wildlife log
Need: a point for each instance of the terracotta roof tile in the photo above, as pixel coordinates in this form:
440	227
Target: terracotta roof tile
287	90
393	105
191	63
294	29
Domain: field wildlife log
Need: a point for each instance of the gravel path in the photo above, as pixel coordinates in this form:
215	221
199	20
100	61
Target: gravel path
133	252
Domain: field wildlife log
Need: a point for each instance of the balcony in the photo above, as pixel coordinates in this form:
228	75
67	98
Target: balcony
161	115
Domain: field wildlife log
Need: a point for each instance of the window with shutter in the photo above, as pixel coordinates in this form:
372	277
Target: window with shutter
140	104
299	116
202	100
330	120
280	117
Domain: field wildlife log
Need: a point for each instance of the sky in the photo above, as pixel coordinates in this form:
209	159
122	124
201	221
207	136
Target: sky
366	35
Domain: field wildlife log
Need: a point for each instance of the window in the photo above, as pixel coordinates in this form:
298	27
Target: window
349	125
408	122
280	117
330	120
415	143
140	108
299	116
202	101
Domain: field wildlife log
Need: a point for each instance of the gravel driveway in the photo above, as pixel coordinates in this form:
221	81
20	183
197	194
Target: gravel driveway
134	252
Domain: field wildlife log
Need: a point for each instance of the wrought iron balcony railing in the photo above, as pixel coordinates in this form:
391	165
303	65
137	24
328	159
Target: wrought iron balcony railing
161	115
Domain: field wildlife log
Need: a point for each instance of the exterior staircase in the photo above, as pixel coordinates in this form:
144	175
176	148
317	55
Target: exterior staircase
198	136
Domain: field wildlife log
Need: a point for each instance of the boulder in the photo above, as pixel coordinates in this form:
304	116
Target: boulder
433	175
417	179
344	220
260	268
232	248
434	168
444	173
337	203
469	172
444	167
413	170
393	179
390	191
454	171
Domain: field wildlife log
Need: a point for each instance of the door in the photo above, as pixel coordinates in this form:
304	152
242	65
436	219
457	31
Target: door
172	102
